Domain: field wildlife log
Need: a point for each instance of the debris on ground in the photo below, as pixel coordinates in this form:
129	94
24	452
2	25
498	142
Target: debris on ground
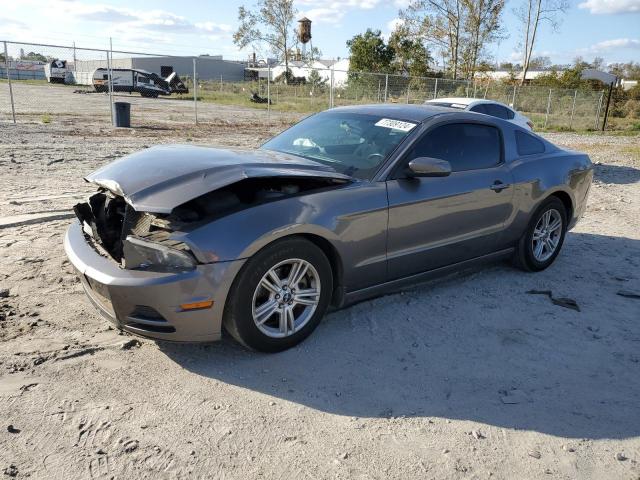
4	292
560	301
628	294
12	429
11	471
129	344
513	397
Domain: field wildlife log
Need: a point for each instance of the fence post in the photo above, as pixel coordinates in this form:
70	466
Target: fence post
331	92
598	110
546	117
435	90
268	91
6	64
110	85
386	87
408	88
573	108
195	91
221	83
513	98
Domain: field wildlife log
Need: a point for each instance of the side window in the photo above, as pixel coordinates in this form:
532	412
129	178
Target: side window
466	146
480	108
497	111
528	144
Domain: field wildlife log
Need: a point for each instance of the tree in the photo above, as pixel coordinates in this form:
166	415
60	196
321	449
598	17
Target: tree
531	13
439	22
481	25
629	71
369	53
460	28
316	81
271	24
540	62
411	57
36	56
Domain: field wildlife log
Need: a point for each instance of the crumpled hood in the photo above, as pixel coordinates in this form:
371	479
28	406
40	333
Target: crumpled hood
160	178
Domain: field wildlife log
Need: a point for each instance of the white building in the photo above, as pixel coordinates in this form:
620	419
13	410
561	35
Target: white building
324	68
505	74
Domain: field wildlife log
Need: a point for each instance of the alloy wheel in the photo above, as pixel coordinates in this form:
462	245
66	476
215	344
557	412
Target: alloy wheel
286	298
546	235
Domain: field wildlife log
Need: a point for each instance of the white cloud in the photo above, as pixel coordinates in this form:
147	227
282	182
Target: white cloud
615	44
332	11
134	24
394	23
611	6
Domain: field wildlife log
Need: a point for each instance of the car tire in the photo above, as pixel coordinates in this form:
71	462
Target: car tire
529	256
249	301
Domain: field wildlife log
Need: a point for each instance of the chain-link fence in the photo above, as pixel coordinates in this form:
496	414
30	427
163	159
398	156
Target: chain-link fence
58	83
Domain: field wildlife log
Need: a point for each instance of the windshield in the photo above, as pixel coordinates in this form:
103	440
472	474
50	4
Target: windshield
353	144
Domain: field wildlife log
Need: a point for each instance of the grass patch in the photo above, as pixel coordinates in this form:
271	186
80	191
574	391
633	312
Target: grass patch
46	118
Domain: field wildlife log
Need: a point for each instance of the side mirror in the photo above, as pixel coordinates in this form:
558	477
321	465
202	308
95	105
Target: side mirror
429	167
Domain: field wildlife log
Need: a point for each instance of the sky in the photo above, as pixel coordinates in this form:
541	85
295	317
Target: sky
606	28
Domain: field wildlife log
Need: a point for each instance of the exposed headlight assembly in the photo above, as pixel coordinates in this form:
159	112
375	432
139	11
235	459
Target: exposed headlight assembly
140	254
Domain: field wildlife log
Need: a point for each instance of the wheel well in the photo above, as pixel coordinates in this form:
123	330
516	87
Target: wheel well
334	259
566	201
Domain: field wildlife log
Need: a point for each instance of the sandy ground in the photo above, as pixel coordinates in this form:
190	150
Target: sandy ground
465	377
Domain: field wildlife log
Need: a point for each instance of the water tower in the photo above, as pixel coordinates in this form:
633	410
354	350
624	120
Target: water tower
304	34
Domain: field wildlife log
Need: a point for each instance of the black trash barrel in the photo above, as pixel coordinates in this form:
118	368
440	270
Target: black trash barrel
122	114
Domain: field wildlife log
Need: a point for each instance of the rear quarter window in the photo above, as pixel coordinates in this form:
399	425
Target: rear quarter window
528	144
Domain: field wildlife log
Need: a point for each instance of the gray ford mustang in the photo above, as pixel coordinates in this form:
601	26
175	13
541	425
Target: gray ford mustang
350	203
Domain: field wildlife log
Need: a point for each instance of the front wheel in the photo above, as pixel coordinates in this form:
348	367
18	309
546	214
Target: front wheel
543	239
280	296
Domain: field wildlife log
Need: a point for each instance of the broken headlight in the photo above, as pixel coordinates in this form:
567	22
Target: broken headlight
153	257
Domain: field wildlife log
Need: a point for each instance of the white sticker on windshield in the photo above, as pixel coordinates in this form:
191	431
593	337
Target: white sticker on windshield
395	124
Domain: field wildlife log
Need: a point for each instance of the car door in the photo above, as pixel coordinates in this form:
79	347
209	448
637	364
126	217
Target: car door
437	221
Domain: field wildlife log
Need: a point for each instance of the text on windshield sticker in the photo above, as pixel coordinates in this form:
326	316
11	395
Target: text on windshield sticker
395	124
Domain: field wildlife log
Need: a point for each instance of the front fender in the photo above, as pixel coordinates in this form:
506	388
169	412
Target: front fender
353	219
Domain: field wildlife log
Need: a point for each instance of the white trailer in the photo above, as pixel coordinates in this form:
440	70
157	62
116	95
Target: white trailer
56	71
126	80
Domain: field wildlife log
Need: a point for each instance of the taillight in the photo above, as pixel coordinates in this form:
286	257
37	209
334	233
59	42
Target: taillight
530	123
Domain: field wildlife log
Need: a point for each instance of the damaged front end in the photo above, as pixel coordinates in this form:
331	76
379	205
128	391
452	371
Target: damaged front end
136	240
145	241
149	201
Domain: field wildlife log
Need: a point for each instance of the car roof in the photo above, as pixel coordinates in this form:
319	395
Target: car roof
465	101
414	113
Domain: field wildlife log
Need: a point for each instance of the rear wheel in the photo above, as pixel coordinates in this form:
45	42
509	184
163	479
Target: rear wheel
280	296
543	239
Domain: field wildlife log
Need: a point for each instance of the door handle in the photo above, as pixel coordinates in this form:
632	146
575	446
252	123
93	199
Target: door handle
498	186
